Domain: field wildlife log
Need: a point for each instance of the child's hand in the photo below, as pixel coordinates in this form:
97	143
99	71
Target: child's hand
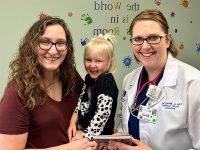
71	131
78	136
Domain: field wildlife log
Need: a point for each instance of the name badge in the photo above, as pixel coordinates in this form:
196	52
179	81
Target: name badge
147	114
153	92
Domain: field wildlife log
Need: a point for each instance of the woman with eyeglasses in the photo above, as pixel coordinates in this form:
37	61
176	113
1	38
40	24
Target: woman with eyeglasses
161	99
42	92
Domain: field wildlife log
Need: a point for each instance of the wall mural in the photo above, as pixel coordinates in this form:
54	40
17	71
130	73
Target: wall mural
100	6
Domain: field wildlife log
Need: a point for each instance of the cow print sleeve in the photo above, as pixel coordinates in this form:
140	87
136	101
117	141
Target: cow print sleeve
101	116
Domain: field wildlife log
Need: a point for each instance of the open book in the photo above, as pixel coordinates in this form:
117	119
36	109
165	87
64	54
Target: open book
103	140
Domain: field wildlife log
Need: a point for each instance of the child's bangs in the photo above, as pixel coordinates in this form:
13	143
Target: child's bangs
96	51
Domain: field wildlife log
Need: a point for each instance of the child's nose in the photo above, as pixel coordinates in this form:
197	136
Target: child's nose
93	64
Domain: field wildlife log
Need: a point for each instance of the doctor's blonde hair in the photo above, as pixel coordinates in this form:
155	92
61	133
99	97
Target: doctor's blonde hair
104	46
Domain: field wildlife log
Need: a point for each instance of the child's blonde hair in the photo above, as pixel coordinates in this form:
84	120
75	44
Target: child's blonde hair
103	45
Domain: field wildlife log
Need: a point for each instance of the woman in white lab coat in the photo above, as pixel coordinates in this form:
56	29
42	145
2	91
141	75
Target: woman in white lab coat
161	99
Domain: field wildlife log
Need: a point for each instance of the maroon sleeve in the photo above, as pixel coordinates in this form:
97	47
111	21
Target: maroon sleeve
14	117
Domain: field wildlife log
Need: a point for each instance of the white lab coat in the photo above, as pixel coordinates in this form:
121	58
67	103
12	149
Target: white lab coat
178	105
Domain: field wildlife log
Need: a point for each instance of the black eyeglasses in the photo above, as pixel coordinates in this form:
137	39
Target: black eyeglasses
46	45
151	39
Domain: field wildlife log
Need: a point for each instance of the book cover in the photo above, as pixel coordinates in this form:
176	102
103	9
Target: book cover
102	140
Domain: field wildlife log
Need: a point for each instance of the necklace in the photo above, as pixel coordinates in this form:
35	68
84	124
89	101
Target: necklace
54	90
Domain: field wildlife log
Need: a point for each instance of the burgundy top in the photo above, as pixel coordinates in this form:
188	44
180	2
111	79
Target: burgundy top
46	124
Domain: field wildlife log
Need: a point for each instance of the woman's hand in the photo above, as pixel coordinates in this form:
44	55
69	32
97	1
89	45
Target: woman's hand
113	145
82	144
71	131
78	135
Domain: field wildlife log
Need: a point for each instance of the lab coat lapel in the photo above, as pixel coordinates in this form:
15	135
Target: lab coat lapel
133	88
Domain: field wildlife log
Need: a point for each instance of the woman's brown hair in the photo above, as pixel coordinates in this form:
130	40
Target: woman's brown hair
26	70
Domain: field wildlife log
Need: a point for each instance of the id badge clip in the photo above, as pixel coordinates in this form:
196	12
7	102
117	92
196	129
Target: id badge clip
153	92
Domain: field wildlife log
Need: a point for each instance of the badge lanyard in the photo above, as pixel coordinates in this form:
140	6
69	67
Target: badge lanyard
146	113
